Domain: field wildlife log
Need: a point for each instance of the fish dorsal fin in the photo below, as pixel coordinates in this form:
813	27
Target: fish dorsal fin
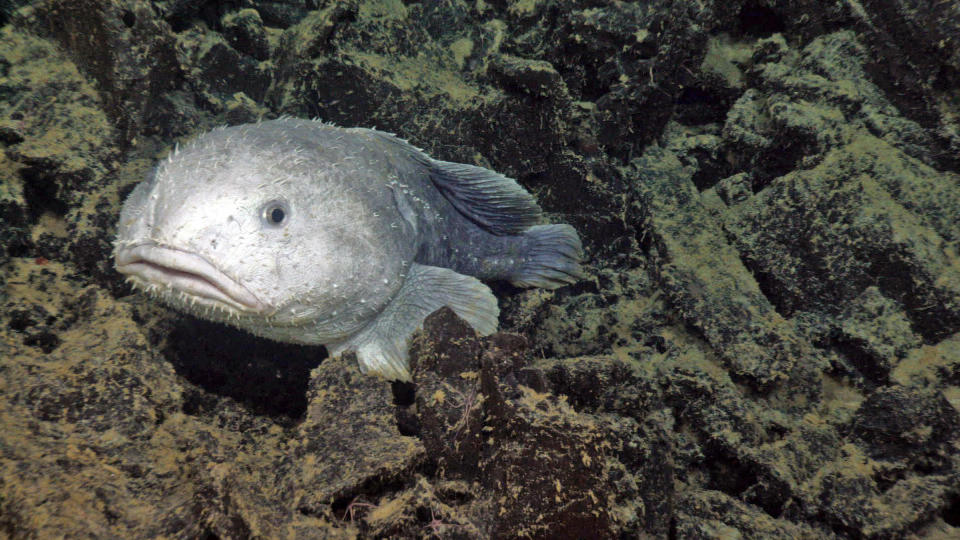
489	199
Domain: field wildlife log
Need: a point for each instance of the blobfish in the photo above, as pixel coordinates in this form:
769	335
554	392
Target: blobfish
304	232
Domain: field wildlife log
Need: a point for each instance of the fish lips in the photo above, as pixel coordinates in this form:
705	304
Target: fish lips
190	273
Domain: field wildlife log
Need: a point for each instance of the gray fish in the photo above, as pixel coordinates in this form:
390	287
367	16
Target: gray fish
305	232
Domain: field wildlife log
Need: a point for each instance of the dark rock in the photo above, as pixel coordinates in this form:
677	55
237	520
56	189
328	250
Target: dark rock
544	461
709	514
916	41
708	282
445	363
629	409
122	46
348	412
478	423
903	424
845	207
14	233
535	77
219	71
244	32
854	506
874	335
8	7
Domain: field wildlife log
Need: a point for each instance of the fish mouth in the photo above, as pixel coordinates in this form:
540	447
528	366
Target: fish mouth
151	266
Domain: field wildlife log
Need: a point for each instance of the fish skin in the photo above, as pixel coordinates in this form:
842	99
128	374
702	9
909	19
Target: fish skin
372	235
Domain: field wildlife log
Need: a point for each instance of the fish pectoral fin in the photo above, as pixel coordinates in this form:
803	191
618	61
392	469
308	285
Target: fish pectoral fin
493	201
381	346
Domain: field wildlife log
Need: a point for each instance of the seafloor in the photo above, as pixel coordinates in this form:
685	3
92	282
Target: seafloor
767	346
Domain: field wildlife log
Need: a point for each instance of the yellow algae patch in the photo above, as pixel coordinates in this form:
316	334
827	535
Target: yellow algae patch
461	49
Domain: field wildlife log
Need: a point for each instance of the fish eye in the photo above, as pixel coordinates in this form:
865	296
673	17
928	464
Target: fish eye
275	213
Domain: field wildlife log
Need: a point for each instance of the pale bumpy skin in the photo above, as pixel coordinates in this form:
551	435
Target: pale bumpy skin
309	233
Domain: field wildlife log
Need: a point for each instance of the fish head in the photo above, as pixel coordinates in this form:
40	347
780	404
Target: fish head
246	233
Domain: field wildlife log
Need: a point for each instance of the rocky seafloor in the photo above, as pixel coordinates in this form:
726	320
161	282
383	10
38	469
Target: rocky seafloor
767	344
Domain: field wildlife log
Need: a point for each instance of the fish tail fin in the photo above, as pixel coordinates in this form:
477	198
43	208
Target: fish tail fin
553	257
